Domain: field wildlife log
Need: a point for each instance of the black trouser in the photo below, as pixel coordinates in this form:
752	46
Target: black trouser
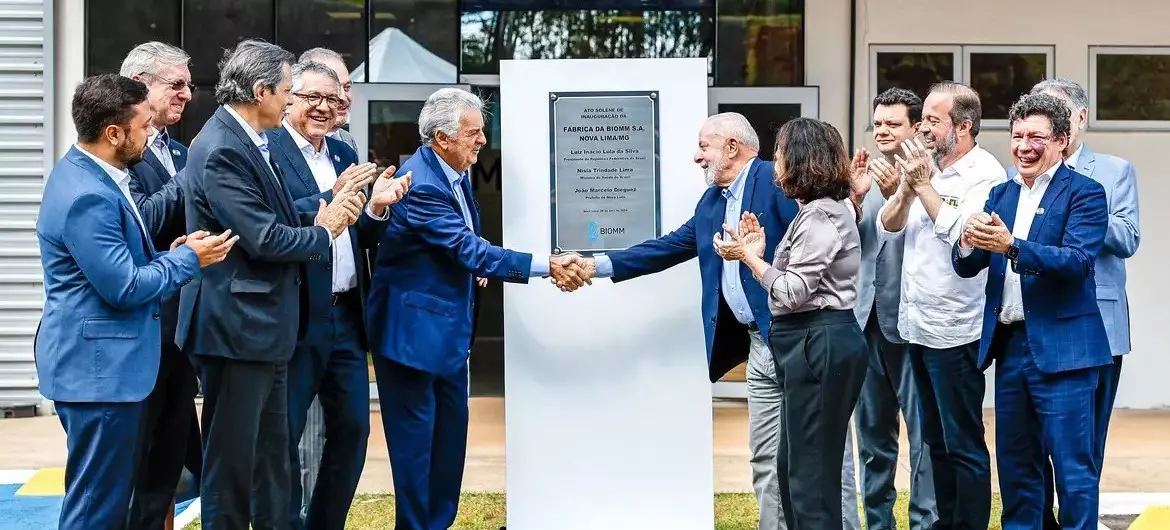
166	433
245	444
821	362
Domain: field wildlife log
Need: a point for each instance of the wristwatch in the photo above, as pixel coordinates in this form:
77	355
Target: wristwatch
1013	250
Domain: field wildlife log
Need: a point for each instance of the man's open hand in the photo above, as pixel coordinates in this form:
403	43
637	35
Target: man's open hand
342	211
359	175
388	190
210	249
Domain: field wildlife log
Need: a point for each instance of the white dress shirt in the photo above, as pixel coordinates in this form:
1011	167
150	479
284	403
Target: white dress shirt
159	142
321	165
1026	208
939	309
121	177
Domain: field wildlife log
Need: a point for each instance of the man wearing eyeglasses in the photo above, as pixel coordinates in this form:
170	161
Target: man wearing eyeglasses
170	439
329	362
335	61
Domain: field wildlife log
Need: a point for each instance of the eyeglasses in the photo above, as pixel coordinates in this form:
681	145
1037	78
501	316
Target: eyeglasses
314	100
176	85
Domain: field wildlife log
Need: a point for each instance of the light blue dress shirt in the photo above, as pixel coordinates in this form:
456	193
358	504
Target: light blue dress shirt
732	287
539	266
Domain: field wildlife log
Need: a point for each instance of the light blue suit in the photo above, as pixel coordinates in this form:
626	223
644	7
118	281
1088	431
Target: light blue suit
99	343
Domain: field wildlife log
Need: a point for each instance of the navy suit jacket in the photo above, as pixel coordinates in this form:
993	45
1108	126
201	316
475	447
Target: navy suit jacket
1119	179
421	303
1056	267
100	338
250	306
725	349
363	235
160	201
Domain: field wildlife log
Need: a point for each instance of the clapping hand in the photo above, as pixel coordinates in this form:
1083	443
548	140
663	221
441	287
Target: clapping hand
885	175
749	240
343	210
860	178
388	190
359	175
918	166
987	232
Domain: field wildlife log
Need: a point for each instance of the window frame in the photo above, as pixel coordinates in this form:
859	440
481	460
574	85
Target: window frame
1049	51
962	57
1120	125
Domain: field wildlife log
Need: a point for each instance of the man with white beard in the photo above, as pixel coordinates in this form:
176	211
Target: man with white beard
736	317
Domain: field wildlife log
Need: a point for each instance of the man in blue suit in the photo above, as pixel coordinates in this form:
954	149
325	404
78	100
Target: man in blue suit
330	359
1039	236
240	322
99	343
1119	179
420	308
735	308
172	424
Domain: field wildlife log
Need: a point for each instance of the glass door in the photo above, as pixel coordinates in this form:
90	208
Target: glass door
767	109
384	120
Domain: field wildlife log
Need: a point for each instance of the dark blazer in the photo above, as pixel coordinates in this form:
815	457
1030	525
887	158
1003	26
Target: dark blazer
160	201
252	305
421	303
725	348
1056	267
362	235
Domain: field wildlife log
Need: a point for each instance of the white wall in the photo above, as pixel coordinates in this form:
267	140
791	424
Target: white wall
1071	26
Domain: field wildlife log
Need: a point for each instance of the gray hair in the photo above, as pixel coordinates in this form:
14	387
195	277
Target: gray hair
313	67
252	61
735	125
965	104
319	54
150	57
443	110
1043	104
1066	88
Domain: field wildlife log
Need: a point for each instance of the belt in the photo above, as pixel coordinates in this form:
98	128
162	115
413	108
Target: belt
343	296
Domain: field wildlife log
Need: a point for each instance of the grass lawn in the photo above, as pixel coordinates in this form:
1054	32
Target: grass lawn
485	511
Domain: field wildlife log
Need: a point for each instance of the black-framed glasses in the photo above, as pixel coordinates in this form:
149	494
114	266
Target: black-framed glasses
314	99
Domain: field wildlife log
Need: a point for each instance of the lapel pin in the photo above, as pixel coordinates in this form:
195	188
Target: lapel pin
336	158
1039	211
175	152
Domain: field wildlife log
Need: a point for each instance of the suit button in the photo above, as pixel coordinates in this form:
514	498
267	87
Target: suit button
298	281
154	316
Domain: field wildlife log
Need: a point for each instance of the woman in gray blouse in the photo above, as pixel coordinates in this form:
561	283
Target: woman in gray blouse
817	344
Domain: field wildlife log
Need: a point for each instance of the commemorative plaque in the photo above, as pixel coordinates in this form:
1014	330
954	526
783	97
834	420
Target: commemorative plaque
604	170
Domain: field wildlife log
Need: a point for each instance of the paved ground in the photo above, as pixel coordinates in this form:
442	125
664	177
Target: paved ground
1137	461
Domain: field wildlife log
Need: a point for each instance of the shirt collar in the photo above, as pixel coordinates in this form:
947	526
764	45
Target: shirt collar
964	163
166	139
303	145
1044	177
121	176
452	176
1075	157
735	190
258	139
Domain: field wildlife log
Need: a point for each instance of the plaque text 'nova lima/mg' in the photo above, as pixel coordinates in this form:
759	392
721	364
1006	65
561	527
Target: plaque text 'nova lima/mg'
604	158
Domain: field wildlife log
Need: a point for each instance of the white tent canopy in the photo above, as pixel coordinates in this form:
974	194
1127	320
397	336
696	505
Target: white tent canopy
397	58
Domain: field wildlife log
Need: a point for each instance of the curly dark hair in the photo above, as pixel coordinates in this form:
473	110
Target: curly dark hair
811	162
1046	105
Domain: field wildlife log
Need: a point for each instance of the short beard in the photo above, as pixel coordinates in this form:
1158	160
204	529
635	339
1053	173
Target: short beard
944	148
713	169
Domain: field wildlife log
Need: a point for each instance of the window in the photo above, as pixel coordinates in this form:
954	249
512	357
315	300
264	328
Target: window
493	30
1129	88
760	43
412	41
105	50
339	26
212	26
999	74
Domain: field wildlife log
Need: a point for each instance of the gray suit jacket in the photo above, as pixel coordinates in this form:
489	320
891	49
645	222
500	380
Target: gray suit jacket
347	137
881	271
1119	179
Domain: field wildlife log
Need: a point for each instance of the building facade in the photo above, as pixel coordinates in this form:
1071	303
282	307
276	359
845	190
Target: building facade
772	60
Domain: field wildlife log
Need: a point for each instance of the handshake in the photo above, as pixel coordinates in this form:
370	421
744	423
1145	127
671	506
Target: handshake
570	271
349	196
